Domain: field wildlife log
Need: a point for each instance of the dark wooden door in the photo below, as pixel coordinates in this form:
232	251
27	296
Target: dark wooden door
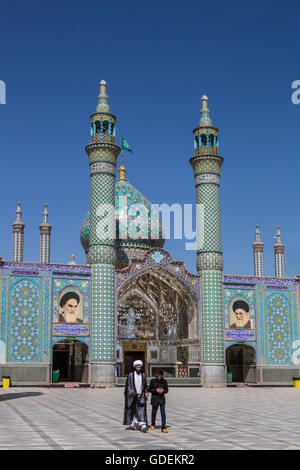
130	357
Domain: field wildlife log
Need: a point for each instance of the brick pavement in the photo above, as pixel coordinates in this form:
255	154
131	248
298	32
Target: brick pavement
197	418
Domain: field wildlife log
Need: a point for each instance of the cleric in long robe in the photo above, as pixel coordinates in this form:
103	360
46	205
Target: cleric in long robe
136	393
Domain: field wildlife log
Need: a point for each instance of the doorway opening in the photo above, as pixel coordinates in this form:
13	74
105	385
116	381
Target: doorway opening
70	358
241	362
130	357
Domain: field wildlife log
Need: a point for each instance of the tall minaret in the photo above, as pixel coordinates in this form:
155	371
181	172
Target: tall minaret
18	236
279	255
45	235
207	163
103	153
258	253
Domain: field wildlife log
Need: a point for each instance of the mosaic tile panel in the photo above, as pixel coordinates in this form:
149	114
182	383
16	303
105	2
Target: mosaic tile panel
209	260
212	317
207	165
3	312
25	320
279	327
278	324
103	313
105	253
46	351
104	154
208	195
102	192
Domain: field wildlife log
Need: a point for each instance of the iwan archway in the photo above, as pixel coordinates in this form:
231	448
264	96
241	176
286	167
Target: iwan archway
158	319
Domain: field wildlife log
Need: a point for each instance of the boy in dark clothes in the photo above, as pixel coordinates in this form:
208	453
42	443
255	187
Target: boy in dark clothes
158	388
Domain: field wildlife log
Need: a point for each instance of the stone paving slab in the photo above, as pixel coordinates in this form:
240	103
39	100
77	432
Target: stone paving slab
197	418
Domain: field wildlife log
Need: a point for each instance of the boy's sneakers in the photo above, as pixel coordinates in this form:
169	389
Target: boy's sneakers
152	427
164	430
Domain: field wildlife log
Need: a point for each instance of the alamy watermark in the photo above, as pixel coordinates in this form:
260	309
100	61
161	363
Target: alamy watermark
295	97
2	92
138	222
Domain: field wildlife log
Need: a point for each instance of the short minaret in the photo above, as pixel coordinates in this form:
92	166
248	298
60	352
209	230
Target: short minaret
258	253
206	164
18	236
279	254
45	236
103	153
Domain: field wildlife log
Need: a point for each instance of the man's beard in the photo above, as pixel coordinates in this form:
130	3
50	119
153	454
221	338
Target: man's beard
70	318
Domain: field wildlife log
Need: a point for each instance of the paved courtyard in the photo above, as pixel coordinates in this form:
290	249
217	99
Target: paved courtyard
232	418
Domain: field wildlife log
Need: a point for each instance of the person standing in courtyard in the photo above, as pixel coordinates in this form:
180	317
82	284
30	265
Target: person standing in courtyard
136	394
158	388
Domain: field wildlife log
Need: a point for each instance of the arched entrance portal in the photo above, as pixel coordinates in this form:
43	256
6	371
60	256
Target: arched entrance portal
241	362
70	357
158	323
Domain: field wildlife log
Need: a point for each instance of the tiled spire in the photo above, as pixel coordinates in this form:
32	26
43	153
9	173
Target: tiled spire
103	106
102	153
45	236
279	254
204	113
18	236
258	253
207	164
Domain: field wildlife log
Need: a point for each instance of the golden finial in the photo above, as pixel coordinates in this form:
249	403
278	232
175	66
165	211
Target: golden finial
122	171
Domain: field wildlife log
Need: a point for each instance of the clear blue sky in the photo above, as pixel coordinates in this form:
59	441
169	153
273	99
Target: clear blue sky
158	58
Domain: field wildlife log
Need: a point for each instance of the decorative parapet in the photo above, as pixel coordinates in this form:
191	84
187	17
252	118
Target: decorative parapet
38	268
227	279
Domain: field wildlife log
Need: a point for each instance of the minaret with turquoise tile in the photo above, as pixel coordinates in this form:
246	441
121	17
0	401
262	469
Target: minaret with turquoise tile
279	254
103	153
45	237
258	253
18	236
206	164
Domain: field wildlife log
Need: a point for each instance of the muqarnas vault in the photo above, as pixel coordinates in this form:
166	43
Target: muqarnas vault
132	300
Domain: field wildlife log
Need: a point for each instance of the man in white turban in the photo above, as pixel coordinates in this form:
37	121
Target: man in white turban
136	393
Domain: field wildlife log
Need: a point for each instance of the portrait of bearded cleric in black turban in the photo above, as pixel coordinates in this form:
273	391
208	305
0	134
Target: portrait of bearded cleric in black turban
240	315
70	307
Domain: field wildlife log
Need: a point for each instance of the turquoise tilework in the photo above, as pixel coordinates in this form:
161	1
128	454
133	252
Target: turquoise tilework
103	313
3	313
25	320
104	155
212	317
278	324
208	195
102	192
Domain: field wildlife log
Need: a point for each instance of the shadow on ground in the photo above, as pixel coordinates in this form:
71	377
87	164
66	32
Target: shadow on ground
13	396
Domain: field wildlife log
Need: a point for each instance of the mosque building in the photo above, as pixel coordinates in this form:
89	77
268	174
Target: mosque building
132	300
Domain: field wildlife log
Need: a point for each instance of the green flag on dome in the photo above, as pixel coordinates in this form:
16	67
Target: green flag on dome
125	146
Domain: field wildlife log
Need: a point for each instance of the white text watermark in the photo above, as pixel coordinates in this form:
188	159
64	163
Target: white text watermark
161	221
295	97
2	92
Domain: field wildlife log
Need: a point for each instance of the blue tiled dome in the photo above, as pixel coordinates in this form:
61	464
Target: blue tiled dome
133	206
